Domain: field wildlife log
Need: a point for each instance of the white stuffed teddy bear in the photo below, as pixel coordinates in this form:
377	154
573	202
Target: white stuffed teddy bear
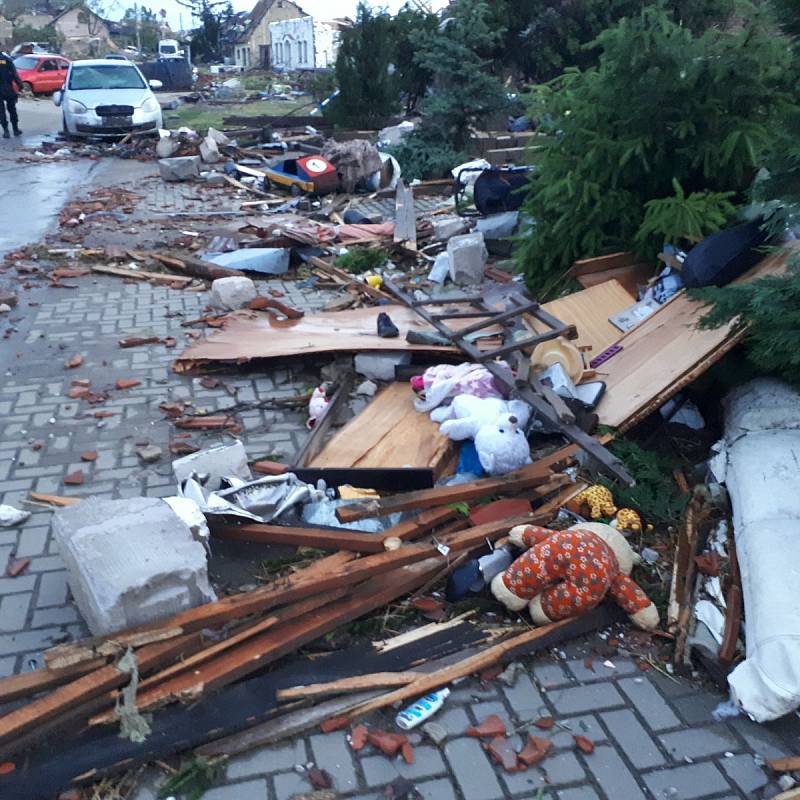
497	426
502	446
466	415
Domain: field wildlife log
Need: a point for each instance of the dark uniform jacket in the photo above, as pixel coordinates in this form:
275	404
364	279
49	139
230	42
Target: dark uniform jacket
9	77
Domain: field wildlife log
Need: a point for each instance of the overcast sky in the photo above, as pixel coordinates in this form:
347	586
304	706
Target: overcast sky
321	8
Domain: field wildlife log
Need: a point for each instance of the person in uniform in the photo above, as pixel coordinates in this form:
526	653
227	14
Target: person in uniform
10	84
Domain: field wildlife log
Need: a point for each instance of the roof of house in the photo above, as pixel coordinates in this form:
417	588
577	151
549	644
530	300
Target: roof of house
257	14
66	11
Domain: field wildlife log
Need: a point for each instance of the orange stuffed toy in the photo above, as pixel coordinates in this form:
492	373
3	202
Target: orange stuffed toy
566	573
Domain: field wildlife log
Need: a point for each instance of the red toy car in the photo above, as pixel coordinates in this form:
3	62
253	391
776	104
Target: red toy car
43	74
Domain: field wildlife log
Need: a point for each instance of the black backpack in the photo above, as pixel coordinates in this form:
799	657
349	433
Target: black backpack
724	256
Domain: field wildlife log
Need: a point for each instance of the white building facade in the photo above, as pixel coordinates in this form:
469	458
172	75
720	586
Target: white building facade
304	43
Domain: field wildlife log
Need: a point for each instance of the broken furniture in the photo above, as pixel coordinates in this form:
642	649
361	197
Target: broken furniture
546	404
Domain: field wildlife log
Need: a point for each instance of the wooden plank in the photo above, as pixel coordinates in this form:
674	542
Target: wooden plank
589	311
359	683
389	432
314	580
531	641
586	266
266	648
53	499
15	687
526	478
141	275
314	441
668	340
332	539
295	611
248	335
25	719
405	222
631	278
287	725
788	764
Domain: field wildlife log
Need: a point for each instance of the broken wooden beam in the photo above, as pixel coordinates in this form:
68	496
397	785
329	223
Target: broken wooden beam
248	633
358	683
526	478
330	539
314	580
264	649
197	267
530	641
23	720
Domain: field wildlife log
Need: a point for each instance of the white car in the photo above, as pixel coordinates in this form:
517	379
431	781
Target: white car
108	97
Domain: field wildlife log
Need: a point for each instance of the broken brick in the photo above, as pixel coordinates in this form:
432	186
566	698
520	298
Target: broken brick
358	737
709	563
37	445
89	455
492	673
182	448
536	749
78	393
7	767
499	510
545	723
320	778
502	751
103	414
207	382
492	726
74	478
407	751
127	383
84	382
138	341
334	724
583	744
427	604
73	362
172	409
387	743
210	423
16	566
270	468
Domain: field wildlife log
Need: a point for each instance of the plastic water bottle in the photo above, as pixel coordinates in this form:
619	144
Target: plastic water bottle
421	710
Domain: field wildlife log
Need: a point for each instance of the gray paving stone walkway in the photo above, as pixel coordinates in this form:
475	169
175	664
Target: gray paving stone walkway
655	736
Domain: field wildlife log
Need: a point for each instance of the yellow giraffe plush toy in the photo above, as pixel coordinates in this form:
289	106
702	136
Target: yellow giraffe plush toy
599	500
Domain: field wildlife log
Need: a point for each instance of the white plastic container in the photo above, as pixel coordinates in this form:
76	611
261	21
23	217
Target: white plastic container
423	709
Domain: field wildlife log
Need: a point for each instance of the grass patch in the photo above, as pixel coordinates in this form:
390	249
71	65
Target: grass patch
201	116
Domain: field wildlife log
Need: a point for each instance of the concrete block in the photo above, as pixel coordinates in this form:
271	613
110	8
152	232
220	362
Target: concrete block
266	260
632	737
380	366
649	703
209	151
167	146
445	228
229	294
130	562
440	269
184	168
468	257
498	226
217	136
686	783
217	462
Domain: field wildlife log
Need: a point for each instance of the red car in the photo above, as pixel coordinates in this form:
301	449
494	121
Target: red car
43	74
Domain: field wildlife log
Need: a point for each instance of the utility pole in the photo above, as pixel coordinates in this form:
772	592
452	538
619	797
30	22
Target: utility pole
137	15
